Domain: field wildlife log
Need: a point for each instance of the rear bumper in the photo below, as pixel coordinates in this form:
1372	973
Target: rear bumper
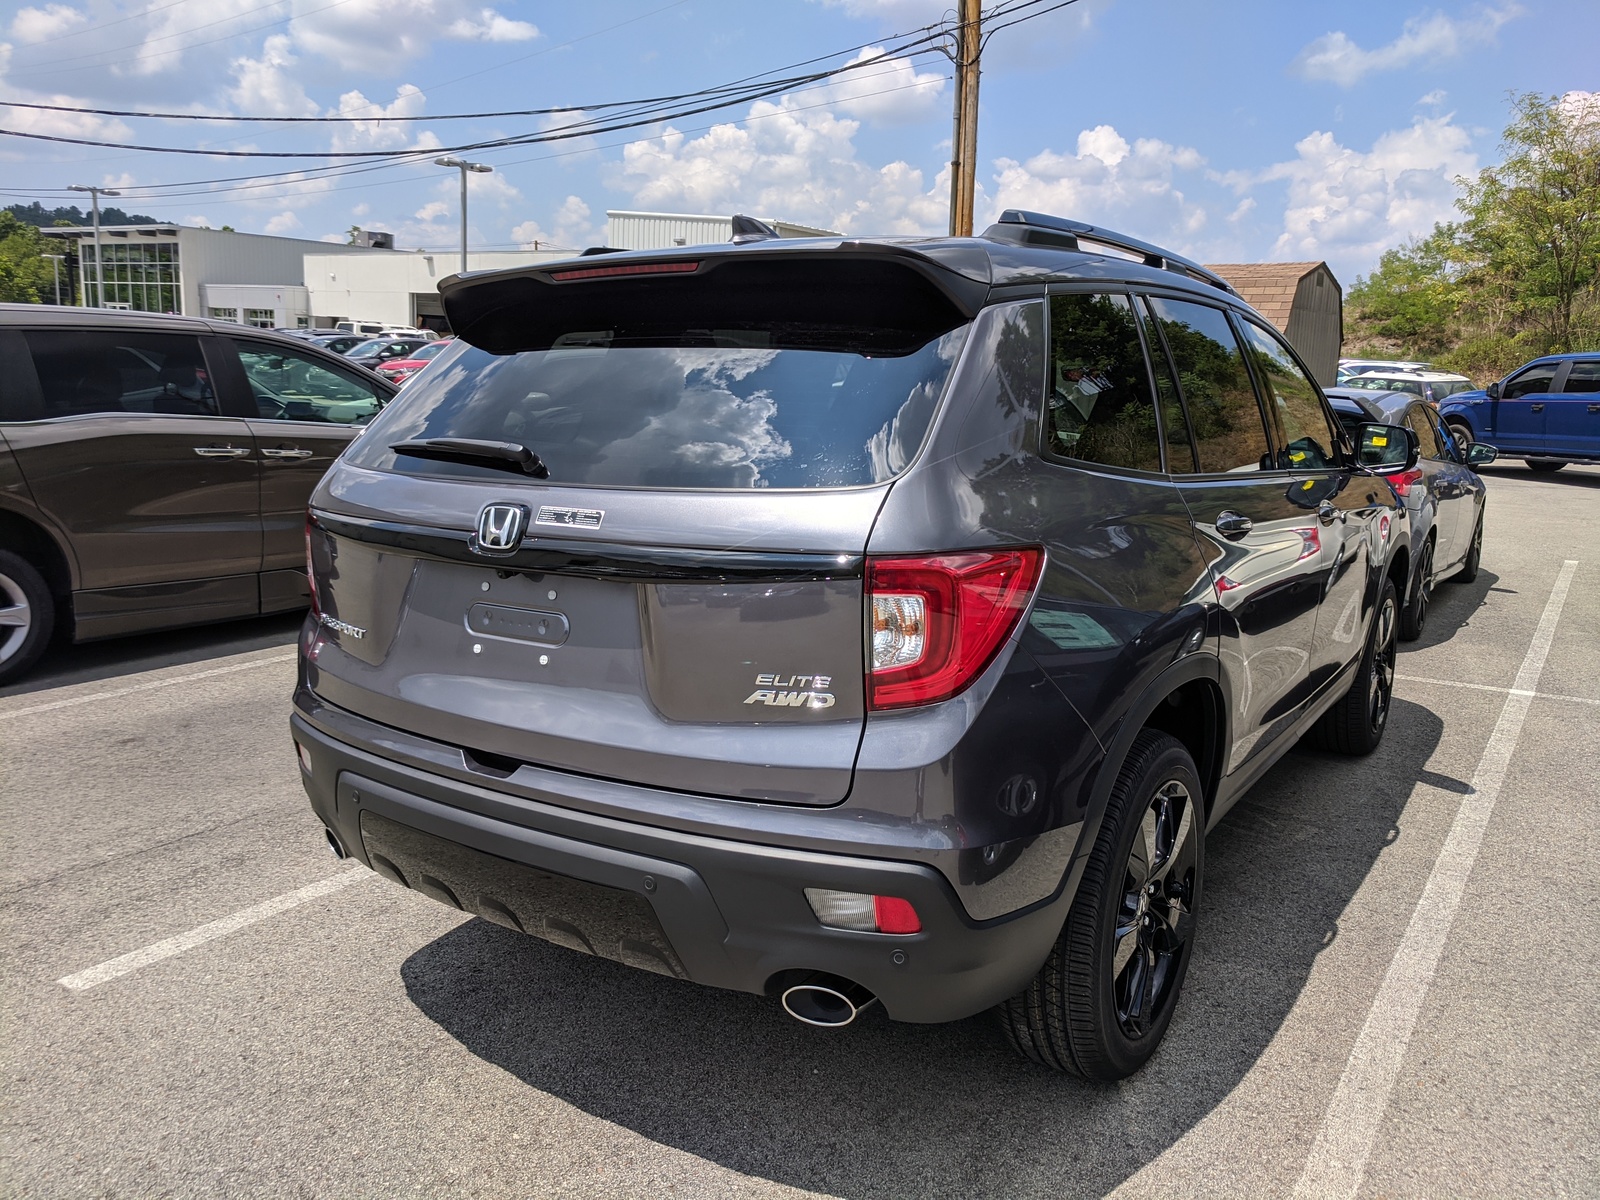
715	911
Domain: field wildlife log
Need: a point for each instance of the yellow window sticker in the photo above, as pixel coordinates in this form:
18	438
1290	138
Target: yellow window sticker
1380	441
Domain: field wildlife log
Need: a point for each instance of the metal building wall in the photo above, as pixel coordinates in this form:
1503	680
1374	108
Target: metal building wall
663	231
219	256
1316	323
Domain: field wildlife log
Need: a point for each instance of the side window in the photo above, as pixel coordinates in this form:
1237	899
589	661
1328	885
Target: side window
1535	381
1217	392
1428	444
291	386
1100	408
1174	424
1446	442
84	371
1309	442
1583	378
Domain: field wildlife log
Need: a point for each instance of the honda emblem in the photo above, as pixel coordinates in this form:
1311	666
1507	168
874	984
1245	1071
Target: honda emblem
500	529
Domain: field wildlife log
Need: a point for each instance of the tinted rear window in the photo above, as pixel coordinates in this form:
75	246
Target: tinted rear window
706	409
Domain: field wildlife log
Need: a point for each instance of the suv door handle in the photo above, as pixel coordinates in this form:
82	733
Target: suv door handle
274	453
1595	408
1232	524
1327	513
1536	408
221	451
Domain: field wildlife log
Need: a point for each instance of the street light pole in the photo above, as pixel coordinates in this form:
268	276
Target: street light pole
99	263
463	166
55	266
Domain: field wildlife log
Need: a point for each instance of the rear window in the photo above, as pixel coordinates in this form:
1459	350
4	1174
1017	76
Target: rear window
719	409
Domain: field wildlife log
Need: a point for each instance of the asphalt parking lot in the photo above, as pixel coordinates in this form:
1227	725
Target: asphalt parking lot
1396	991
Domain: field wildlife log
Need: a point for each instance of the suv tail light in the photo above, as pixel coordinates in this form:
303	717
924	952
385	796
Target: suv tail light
311	568
938	621
1401	481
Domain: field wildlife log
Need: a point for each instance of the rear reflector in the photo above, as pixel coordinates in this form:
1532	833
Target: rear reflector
672	268
862	912
939	621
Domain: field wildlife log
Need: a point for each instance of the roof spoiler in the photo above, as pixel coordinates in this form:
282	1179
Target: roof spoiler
1041	229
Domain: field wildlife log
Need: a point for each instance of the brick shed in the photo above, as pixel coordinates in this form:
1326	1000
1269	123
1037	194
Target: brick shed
1303	300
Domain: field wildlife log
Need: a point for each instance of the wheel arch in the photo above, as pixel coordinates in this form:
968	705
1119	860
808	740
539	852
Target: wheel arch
29	538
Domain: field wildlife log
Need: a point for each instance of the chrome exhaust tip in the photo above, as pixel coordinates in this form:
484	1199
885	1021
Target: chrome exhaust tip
826	1001
333	844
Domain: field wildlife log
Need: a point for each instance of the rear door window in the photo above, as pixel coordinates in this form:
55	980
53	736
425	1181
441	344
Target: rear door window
1307	437
1100	407
291	386
1428	442
1583	378
1217	392
694	408
84	371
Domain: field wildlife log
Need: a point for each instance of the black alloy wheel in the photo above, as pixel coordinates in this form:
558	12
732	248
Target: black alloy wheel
1355	723
1469	569
1103	999
1415	616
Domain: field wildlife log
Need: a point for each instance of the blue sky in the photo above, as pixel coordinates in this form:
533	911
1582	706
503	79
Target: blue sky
1259	129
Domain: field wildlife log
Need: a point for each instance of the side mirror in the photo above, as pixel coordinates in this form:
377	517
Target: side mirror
1386	449
1480	454
1493	390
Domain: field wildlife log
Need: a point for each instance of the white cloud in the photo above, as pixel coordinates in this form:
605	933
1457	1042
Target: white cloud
265	86
1336	58
432	211
42	24
176	29
784	162
285	222
373	127
1433	99
915	11
571	228
889	91
490	26
1346	204
1109	180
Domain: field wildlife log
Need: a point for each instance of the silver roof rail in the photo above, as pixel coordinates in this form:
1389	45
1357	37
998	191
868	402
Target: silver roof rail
1153	256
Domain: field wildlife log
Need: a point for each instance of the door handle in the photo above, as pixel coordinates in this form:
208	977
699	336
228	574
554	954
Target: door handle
1594	408
1327	513
222	451
1536	408
275	453
1232	524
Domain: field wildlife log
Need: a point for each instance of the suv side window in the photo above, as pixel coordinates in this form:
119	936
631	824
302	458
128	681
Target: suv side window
291	386
1174	423
83	371
1217	392
1535	381
1583	378
1309	441
1428	443
1100	408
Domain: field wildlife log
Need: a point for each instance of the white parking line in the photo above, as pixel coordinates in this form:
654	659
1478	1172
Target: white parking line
73	701
1490	687
1338	1159
126	963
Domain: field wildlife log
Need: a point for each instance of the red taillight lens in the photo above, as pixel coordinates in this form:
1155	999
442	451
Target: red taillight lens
311	569
1401	482
937	622
671	268
894	915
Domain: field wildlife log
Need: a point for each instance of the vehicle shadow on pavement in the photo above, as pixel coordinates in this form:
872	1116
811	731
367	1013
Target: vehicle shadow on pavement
91	662
1451	610
884	1109
1569	477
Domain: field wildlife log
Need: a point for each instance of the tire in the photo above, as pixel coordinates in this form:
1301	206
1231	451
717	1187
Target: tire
27	616
1463	433
1101	1003
1469	568
1543	466
1415	614
1355	724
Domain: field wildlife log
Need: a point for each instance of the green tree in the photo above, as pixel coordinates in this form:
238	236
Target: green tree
25	276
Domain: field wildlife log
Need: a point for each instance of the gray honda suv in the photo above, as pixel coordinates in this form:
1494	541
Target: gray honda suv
850	621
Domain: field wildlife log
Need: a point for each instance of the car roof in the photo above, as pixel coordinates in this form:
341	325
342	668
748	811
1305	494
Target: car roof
48	316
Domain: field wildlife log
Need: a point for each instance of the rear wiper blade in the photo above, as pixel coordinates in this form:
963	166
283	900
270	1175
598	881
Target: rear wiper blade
501	456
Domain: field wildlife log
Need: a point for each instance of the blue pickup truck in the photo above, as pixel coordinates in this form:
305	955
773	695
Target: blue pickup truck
1546	411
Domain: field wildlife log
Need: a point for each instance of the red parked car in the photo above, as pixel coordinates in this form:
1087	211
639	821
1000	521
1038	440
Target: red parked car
398	370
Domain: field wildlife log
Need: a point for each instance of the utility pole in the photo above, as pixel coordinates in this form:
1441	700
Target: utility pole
55	264
99	263
964	142
463	166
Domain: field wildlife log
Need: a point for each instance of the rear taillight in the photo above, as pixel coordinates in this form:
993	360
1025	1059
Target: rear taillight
1402	481
311	569
863	912
937	622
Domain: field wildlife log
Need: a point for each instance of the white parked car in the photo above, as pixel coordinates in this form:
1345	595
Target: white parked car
1432	386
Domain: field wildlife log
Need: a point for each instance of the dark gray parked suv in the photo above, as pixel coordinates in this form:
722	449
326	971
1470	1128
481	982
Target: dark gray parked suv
852	621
